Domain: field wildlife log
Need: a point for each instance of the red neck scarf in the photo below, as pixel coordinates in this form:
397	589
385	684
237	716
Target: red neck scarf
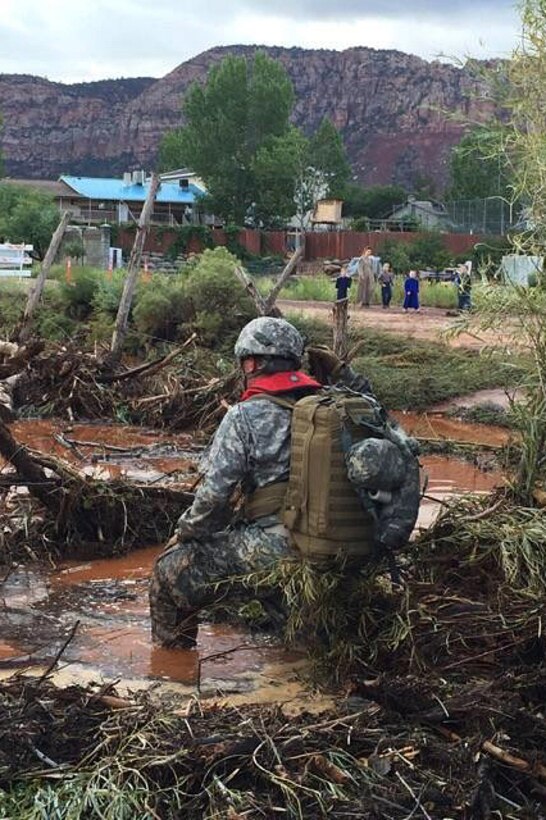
286	382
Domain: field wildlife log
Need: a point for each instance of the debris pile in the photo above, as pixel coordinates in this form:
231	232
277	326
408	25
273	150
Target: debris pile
166	392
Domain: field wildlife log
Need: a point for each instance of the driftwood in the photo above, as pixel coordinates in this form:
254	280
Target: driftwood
87	509
23	331
148	368
133	270
340	316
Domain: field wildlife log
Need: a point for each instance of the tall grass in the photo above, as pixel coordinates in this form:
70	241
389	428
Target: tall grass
322	289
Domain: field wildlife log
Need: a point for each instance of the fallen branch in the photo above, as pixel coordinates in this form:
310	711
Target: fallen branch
509	759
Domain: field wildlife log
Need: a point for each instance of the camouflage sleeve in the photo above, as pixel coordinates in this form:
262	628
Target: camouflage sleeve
349	378
226	466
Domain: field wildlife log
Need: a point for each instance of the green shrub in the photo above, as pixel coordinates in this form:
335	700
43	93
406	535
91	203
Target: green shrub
162	307
77	296
108	294
12	304
220	302
428	251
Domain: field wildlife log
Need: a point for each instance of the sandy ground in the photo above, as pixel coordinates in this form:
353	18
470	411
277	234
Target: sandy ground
429	324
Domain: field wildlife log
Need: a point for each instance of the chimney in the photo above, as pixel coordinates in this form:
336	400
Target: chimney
127	178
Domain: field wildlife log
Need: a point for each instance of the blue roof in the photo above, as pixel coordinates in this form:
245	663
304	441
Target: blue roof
114	189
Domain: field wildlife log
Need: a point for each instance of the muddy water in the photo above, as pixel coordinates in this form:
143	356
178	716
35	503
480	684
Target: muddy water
109	597
449	478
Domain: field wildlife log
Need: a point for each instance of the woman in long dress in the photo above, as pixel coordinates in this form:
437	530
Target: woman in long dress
411	291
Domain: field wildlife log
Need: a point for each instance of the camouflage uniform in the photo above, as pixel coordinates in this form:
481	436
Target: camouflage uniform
251	449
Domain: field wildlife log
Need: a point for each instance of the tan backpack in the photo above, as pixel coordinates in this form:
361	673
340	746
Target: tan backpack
319	506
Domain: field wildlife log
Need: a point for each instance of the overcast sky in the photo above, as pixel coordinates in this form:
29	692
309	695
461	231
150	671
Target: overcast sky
82	40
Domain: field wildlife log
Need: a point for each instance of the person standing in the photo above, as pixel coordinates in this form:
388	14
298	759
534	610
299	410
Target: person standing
463	281
365	278
411	291
386	279
343	283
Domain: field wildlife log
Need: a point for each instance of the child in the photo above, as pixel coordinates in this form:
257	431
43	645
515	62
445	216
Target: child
411	290
385	279
343	283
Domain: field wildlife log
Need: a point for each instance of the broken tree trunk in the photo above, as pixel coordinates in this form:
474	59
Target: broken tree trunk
88	510
39	484
254	293
287	272
340	315
23	331
120	329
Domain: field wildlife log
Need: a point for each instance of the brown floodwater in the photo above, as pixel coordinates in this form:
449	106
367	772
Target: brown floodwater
435	426
109	597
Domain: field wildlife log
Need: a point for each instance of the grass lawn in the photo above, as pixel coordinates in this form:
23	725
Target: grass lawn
409	374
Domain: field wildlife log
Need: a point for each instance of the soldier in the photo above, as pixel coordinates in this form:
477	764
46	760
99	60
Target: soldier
251	449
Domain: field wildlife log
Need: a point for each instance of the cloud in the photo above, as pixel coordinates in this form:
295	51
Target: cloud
85	40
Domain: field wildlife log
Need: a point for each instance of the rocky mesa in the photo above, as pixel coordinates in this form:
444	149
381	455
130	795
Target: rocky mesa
398	114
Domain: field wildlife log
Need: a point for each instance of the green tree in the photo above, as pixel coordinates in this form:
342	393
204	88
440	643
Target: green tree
27	216
478	166
375	202
241	108
328	155
281	168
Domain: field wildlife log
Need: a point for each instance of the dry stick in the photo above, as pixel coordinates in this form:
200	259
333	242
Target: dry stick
59	654
35	294
513	761
149	367
133	270
287	272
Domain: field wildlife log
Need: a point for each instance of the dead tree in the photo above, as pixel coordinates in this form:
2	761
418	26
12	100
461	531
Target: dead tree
340	316
23	331
287	272
120	329
266	306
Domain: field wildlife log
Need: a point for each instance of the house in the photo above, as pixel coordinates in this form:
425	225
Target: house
95	200
98	199
428	214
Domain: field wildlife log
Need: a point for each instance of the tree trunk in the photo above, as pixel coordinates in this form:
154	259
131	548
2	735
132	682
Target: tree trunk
35	294
40	486
289	269
255	295
120	329
340	316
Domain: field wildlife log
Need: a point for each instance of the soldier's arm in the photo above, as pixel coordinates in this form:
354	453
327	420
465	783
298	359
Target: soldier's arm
355	381
227	465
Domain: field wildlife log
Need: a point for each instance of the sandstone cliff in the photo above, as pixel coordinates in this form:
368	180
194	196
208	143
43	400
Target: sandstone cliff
394	111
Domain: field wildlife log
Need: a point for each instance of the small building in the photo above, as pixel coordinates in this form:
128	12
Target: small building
428	214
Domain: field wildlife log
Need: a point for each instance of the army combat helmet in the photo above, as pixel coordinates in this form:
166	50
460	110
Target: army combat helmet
267	336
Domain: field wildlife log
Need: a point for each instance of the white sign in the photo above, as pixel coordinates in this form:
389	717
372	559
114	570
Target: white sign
13	258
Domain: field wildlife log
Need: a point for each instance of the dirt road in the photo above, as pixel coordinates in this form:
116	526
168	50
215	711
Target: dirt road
430	324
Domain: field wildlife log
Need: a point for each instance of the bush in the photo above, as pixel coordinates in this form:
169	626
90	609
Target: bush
396	253
221	304
162	308
108	293
428	251
77	297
